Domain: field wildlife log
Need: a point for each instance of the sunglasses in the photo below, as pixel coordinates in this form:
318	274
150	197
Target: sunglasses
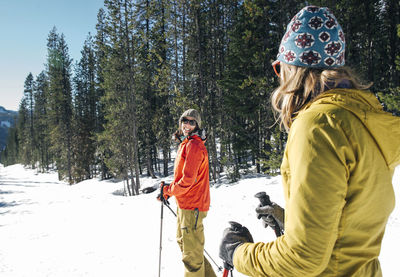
277	68
191	121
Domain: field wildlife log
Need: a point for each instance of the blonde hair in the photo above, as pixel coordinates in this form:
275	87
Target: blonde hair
300	85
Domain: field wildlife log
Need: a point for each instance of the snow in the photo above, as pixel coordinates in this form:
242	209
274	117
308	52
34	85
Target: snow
48	228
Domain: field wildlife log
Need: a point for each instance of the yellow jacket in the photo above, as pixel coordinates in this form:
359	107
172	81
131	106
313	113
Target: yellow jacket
337	177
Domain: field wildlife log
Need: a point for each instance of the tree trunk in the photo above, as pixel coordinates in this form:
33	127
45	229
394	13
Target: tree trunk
149	160
165	161
127	185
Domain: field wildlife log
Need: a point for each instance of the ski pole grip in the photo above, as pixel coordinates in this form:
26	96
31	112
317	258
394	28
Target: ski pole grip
162	191
264	198
235	225
265	201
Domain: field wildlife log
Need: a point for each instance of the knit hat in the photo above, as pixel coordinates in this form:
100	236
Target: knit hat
192	113
313	38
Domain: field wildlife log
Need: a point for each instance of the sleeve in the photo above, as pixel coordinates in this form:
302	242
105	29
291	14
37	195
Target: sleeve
317	152
194	158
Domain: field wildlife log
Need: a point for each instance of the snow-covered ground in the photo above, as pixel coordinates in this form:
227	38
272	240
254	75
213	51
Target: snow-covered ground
48	228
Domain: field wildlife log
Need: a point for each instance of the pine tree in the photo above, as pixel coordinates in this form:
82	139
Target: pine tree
101	49
41	126
146	19
23	133
391	96
60	103
161	79
28	131
84	111
247	85
120	135
201	38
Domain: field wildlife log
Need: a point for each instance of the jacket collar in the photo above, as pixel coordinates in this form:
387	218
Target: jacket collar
198	135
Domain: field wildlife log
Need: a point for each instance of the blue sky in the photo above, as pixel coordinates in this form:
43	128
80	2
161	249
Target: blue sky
24	27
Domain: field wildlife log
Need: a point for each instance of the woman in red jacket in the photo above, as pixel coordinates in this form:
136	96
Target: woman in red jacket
192	193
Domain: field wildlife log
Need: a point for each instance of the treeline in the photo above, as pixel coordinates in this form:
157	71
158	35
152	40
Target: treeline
112	113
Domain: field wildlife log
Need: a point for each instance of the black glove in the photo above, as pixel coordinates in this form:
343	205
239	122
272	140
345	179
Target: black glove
233	236
271	214
162	196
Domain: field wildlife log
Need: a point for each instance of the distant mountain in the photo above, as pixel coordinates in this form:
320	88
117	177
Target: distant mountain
7	120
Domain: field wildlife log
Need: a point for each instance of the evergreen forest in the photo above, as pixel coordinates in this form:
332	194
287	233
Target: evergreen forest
112	113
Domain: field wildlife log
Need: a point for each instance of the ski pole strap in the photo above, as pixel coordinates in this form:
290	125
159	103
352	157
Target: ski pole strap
166	203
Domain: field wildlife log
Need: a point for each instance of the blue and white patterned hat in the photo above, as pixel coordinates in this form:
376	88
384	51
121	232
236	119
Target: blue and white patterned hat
313	38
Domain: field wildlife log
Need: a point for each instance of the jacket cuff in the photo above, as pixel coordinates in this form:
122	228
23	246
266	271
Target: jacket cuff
238	255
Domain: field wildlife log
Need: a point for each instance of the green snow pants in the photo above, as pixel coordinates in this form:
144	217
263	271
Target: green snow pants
190	238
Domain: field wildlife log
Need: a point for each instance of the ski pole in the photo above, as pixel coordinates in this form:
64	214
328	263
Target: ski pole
205	251
219	267
227	269
172	211
265	201
161	227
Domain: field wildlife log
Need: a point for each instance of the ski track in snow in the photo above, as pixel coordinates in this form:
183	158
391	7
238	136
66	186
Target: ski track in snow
48	228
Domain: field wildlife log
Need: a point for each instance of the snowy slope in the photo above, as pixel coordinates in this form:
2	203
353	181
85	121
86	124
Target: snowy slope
48	228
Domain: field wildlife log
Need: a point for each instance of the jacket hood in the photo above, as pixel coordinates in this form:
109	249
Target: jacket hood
383	127
201	133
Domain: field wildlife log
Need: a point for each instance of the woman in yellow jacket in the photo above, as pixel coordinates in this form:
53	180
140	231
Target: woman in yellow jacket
338	164
191	188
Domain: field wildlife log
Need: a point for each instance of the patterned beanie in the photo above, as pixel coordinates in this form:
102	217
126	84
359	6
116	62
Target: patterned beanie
192	113
313	38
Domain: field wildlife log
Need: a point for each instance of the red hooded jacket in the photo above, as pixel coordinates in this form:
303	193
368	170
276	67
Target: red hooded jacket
191	185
